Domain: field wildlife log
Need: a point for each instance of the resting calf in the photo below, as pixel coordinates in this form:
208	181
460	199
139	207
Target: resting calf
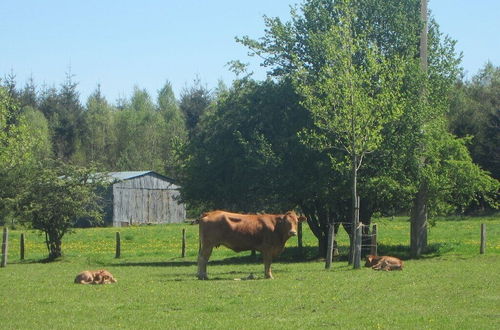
383	263
95	277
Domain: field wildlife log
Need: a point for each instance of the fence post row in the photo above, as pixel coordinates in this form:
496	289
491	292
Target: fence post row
5	244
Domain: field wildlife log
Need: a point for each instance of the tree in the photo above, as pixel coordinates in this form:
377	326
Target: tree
29	95
39	129
246	155
174	130
352	95
17	148
195	100
15	140
138	129
408	159
475	112
58	196
98	133
64	113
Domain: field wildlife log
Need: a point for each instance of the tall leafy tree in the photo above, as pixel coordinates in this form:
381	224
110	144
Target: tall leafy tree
246	154
351	95
390	29
139	134
15	139
475	112
18	149
57	198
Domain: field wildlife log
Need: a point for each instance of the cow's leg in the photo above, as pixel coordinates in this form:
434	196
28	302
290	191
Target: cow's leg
268	258
203	256
378	265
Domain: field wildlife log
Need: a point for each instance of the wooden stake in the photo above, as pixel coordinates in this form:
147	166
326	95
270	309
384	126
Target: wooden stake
373	249
357	248
183	252
329	248
5	245
299	236
483	239
118	245
22	246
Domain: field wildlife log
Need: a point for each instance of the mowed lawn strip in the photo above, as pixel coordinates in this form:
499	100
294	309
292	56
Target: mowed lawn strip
451	287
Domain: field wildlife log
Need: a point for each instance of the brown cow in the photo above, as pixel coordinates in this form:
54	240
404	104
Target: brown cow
266	233
95	277
383	263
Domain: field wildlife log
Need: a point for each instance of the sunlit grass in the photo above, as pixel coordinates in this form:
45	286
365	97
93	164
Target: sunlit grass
451	287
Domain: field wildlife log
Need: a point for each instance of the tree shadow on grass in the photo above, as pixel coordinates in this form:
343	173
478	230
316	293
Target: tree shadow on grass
403	251
292	254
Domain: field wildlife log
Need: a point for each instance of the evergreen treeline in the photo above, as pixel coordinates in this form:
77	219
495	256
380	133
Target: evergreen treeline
142	132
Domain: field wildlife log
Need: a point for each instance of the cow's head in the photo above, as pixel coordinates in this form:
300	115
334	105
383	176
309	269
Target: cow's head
290	223
370	260
106	277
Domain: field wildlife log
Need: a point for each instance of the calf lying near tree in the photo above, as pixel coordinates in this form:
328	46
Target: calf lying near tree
266	233
95	277
383	263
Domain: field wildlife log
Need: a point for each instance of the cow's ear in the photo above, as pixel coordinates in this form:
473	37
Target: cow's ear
302	218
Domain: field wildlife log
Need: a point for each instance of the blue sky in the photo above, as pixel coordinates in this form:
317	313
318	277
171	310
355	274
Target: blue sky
122	44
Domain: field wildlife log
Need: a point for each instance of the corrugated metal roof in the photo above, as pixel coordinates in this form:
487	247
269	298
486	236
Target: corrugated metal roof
121	176
127	175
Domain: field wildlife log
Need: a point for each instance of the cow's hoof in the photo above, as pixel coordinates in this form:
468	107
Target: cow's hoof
202	277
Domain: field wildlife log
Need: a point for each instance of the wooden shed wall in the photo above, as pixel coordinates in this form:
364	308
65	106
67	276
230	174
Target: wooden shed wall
146	199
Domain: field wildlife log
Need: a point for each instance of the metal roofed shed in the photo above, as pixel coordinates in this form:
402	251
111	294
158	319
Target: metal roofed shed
144	197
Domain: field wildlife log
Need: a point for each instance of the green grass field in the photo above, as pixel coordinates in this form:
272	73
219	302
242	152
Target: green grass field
452	286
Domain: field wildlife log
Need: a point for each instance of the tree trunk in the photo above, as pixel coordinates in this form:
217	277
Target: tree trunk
354	220
318	218
418	229
54	245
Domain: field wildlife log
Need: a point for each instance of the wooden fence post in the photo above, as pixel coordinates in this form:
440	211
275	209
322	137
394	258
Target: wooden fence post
373	249
118	245
329	247
5	245
299	237
183	252
22	246
357	247
483	239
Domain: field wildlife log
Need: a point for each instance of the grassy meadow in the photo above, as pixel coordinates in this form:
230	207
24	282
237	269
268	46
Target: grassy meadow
452	286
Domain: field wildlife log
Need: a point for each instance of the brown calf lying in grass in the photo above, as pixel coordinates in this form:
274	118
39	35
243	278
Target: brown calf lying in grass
95	277
383	263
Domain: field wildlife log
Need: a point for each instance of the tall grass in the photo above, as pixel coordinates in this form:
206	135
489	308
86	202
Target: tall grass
451	286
